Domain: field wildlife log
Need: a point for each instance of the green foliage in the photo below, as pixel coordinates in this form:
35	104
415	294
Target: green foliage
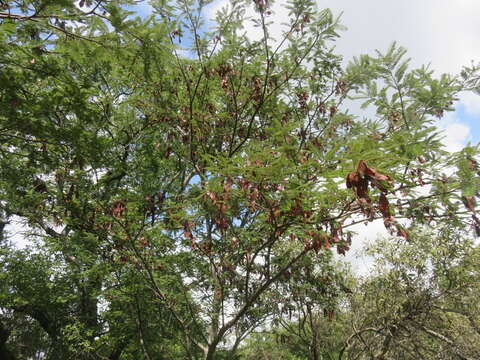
177	179
418	303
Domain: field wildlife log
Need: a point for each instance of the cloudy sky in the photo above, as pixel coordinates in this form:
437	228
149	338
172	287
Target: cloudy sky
443	33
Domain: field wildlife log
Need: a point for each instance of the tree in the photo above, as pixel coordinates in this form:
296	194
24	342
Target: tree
189	186
419	302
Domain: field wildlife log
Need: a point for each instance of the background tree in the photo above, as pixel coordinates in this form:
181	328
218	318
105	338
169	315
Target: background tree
418	301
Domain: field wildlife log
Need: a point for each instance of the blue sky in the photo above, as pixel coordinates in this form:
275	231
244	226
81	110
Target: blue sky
471	120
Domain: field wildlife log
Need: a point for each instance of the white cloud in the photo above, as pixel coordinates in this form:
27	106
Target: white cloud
456	134
362	264
471	102
441	32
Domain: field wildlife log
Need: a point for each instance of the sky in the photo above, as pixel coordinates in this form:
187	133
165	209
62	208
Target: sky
443	33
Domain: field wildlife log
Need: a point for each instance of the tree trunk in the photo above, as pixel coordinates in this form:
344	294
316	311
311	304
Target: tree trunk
214	316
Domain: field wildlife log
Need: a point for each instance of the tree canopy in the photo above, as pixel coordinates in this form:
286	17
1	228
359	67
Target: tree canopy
184	186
